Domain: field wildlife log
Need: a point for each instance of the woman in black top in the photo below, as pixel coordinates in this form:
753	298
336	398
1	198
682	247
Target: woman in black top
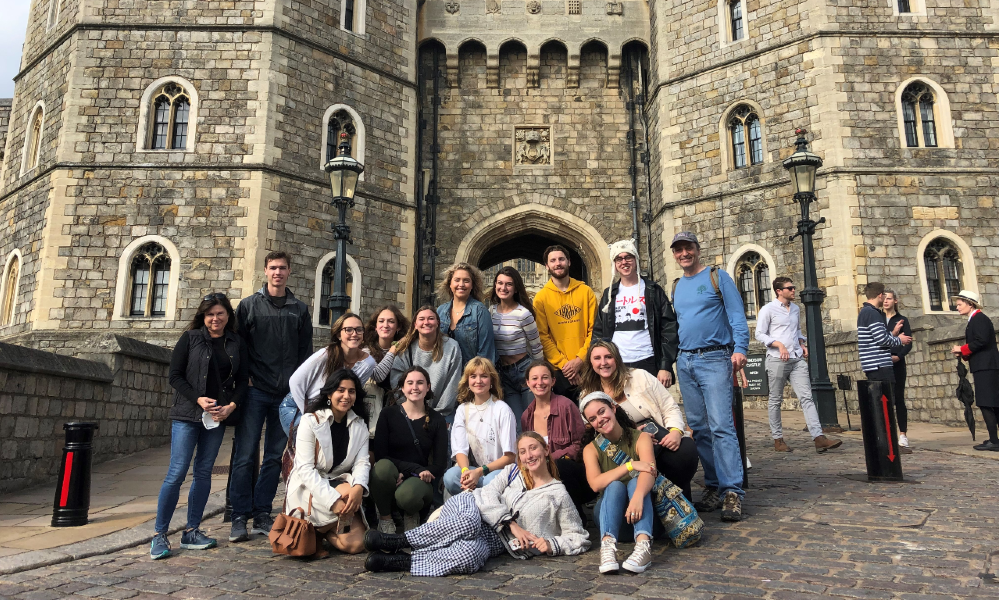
411	450
980	350
208	371
891	308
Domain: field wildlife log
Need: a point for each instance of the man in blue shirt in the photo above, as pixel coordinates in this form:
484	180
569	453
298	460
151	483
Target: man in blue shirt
714	338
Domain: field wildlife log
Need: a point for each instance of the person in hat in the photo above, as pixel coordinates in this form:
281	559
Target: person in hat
713	338
635	314
980	349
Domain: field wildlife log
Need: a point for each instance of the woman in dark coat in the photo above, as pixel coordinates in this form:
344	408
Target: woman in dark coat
209	373
891	308
980	350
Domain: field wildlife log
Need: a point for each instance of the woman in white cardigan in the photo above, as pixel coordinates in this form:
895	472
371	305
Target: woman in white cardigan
524	510
649	405
330	474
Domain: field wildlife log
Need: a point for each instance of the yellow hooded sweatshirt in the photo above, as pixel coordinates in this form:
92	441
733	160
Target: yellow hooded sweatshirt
565	321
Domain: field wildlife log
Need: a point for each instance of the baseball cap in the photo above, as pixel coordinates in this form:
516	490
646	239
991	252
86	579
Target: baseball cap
685	236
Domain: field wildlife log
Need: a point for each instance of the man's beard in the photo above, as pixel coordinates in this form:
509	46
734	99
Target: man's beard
553	274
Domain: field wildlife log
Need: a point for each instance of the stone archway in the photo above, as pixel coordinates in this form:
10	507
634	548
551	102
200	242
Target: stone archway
534	224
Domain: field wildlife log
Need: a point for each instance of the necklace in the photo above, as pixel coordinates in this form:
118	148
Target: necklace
485	407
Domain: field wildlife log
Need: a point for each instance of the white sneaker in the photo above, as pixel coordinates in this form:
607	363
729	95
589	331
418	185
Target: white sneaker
386	526
609	556
903	441
640	559
411	521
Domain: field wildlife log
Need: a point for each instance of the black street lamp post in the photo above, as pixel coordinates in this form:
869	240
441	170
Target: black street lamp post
802	167
344	172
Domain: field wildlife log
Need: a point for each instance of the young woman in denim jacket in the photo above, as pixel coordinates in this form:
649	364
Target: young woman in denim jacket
464	317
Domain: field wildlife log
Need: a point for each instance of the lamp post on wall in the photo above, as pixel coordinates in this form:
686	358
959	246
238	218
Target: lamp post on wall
802	167
344	172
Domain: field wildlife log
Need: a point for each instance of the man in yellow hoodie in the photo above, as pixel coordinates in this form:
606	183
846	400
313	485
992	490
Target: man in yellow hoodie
564	313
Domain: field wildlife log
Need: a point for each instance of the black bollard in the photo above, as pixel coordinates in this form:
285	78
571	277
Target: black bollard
72	501
878	428
741	436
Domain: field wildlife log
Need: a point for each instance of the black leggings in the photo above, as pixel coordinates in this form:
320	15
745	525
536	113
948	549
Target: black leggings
680	465
899	369
574	476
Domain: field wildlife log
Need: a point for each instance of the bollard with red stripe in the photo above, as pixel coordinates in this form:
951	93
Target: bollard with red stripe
878	428
72	501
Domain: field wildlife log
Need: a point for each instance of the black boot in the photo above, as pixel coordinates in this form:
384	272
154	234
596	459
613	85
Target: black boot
378	562
375	540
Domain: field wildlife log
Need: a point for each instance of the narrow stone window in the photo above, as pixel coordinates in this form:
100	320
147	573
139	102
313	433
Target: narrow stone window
943	267
736	20
10	291
326	290
744	130
53	14
753	279
171	115
918	116
150	274
35	140
903	5
340	122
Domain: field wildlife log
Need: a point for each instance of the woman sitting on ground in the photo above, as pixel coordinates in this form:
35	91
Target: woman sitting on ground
208	371
330	473
386	326
525	510
426	346
649	405
558	421
483	436
411	450
624	488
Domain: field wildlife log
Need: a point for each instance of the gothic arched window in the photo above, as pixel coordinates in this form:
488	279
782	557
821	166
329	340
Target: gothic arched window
918	116
171	114
340	122
753	279
943	268
746	136
9	287
150	277
33	139
326	289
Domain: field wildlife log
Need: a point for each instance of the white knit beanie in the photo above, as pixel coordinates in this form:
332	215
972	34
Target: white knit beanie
616	249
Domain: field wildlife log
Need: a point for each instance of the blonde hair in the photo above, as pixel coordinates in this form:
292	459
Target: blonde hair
444	290
479	364
529	482
412	335
591	381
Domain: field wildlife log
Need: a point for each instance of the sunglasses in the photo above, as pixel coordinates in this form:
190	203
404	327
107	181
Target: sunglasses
621	259
790	287
215	296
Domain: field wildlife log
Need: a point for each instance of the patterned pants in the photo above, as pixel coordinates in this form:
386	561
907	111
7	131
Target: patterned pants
458	542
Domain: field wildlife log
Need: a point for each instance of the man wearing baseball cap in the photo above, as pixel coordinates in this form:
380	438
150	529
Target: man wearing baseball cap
713	339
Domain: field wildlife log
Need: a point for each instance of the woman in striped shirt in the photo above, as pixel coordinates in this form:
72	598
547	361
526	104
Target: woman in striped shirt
516	337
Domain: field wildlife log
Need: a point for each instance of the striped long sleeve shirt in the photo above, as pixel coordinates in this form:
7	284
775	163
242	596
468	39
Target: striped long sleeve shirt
516	333
874	340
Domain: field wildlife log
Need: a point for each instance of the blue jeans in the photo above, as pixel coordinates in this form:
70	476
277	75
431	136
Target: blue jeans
611	506
453	480
185	437
515	390
260	408
706	381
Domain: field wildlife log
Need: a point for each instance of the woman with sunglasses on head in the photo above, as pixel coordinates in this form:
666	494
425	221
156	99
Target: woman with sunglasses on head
525	510
411	452
209	374
649	405
516	337
386	326
427	346
330	473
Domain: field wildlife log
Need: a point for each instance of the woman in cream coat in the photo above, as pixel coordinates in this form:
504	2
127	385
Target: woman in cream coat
330	474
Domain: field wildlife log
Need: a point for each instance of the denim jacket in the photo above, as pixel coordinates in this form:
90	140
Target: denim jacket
474	331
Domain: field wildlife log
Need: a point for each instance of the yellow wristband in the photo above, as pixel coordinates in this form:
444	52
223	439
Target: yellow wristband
464	469
628	466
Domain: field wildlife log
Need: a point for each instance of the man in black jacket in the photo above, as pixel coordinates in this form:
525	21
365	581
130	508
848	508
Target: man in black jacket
637	316
278	333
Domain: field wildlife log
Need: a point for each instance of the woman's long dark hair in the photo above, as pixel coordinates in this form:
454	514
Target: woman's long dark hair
371	335
216	299
521	295
335	355
628	425
397	398
332	383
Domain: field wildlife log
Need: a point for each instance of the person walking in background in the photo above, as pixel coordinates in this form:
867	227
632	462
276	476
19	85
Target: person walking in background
713	339
516	337
427	346
778	329
564	311
635	314
891	308
464	317
874	339
278	333
209	374
980	349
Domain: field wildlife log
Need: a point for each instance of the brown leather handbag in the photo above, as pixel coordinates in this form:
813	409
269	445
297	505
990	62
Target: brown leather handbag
293	536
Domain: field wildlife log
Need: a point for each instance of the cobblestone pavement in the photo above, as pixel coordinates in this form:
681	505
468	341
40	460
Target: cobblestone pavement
814	528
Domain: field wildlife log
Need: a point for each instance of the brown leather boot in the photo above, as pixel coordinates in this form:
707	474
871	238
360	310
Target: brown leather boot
781	446
824	443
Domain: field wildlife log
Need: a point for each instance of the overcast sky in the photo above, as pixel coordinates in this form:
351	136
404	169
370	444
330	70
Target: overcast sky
13	21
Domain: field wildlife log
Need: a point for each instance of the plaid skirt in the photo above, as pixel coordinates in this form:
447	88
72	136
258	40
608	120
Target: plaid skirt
457	542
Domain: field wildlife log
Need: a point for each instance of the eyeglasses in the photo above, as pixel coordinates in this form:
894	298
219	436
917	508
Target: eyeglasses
215	296
789	288
354	330
620	259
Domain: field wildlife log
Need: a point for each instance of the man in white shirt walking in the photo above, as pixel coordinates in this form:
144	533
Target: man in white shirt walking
778	329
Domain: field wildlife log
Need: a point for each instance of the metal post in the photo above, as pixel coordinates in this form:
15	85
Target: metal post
72	501
339	301
824	394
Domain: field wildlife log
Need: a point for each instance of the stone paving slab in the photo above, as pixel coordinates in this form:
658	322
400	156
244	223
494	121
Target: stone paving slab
814	529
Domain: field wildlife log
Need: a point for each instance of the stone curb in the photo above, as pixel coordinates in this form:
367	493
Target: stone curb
105	544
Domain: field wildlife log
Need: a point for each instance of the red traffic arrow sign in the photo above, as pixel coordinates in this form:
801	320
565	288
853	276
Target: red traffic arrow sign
888	428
